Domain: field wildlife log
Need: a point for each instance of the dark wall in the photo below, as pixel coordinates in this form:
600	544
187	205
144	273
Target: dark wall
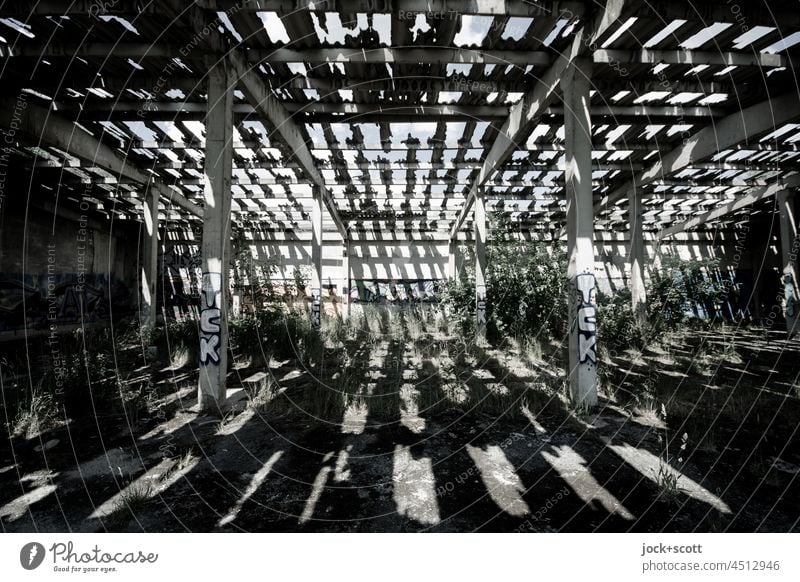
65	270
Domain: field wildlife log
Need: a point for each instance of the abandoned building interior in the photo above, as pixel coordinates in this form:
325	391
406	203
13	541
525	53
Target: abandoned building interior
399	265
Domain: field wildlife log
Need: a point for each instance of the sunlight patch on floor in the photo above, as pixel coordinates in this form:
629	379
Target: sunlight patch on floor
15	509
341	471
255	482
316	490
500	479
571	467
409	409
181	419
649	464
151	484
414	490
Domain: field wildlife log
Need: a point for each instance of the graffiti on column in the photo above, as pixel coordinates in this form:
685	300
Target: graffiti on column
316	302
788	292
587	319
480	293
211	300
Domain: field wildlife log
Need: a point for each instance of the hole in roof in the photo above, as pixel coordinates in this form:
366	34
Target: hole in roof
382	24
751	36
20	27
458	68
125	24
725	71
473	30
420	25
684	98
783	44
664	33
274	27
487	70
449	96
516	27
334	32
651	96
696	69
620	96
228	25
702	37
297	69
714	98
619	32
555	32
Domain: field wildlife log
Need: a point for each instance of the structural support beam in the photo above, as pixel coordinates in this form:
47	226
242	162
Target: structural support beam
725	134
480	265
637	258
346	278
747	200
316	259
452	251
524	114
689	57
147	306
215	248
272	110
790	244
580	246
47	127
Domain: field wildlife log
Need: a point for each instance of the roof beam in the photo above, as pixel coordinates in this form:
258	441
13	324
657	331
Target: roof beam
124	109
523	115
406	56
47	127
725	134
747	200
690	57
551	8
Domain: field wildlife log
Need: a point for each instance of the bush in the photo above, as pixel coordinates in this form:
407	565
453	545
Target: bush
685	290
618	328
525	287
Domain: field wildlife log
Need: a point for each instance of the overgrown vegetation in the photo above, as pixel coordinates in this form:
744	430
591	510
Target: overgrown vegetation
525	287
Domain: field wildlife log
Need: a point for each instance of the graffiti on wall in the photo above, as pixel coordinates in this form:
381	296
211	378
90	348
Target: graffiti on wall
37	301
587	318
480	304
316	305
365	291
210	314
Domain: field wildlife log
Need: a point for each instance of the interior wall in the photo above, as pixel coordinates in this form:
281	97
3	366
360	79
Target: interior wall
64	271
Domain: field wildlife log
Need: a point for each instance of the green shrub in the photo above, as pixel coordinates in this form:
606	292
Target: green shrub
525	287
618	328
681	288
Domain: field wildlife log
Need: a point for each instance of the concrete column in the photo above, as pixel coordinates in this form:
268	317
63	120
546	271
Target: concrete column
451	260
346	278
636	257
480	264
789	249
316	259
580	271
149	274
215	249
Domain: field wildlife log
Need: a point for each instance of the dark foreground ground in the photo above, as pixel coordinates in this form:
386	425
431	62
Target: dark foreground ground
699	434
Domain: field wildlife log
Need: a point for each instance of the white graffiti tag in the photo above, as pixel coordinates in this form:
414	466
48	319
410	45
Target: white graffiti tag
480	292
587	318
210	318
316	303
